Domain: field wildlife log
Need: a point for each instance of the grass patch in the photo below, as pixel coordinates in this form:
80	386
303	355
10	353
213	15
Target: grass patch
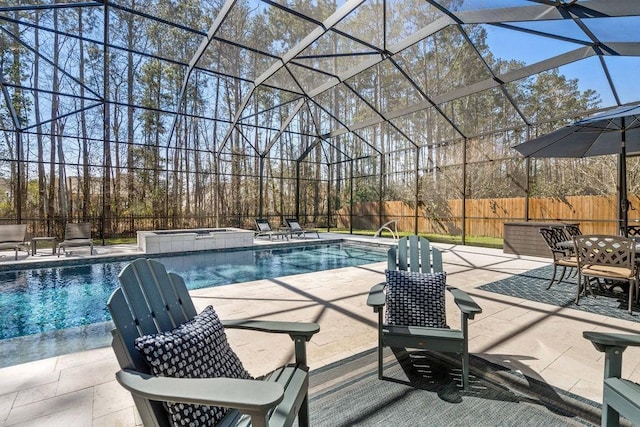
482	241
118	241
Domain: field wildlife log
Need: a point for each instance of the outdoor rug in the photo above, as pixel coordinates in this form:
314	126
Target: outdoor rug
532	285
424	390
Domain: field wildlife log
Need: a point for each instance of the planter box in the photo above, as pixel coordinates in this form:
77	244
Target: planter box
523	238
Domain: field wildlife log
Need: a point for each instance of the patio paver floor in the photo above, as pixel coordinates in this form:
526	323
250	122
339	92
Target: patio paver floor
542	341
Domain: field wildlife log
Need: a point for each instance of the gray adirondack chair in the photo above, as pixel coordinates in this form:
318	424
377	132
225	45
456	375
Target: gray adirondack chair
620	396
417	254
149	301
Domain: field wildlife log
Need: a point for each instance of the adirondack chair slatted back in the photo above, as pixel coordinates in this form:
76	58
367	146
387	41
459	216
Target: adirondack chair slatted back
149	301
158	301
415	254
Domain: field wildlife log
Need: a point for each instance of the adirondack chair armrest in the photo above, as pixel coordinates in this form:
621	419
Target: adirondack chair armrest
294	329
465	303
300	332
248	396
603	341
376	298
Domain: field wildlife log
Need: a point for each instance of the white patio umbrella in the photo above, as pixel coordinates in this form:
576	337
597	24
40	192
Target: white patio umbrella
616	131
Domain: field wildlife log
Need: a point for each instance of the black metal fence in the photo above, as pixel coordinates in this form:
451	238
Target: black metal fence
128	226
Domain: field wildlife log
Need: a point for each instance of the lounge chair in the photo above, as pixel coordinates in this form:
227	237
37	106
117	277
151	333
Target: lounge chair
263	228
620	396
414	268
296	228
76	235
12	236
152	310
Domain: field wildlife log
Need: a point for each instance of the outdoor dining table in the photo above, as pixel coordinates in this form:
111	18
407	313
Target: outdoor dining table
568	244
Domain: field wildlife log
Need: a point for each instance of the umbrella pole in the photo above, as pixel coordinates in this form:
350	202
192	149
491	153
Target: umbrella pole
623	205
622	196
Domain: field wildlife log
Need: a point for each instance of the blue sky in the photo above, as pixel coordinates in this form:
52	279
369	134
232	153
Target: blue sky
507	44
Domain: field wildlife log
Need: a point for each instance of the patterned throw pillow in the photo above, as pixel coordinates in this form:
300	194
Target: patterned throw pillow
196	349
416	299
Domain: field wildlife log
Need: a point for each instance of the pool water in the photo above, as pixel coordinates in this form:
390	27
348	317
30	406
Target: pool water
43	302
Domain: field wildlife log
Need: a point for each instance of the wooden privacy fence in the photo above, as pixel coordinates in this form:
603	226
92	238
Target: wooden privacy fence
485	217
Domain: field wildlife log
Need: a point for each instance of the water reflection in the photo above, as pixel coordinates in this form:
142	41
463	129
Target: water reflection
41	300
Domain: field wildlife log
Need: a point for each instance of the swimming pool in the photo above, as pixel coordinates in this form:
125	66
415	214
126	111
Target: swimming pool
60	309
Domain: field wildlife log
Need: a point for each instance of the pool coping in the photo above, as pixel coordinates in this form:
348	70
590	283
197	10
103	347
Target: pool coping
94	259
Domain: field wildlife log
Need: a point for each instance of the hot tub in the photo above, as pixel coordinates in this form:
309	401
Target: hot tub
199	239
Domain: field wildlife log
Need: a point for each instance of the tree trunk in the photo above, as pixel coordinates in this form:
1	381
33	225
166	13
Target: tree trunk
43	213
54	121
131	191
86	175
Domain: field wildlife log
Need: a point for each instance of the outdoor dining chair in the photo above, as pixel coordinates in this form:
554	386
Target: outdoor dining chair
572	230
562	257
606	257
633	230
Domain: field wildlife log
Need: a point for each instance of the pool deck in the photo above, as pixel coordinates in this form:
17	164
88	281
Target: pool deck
544	342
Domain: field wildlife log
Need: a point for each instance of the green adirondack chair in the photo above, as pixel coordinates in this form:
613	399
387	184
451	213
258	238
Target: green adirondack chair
151	301
417	255
620	396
